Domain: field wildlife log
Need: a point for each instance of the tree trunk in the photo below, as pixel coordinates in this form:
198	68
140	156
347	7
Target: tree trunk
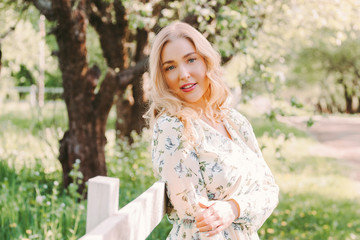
85	139
348	99
123	115
0	60
87	112
139	108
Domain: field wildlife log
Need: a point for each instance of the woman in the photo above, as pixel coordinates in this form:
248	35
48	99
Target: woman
218	184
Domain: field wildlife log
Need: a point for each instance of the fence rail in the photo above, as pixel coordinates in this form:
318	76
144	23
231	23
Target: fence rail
33	91
33	88
135	221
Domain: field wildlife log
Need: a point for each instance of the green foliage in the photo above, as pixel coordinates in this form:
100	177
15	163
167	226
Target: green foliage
34	206
53	118
23	77
227	24
20	49
306	47
296	103
275	129
310	122
131	163
334	65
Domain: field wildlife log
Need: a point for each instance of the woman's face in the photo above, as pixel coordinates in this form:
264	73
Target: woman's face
185	71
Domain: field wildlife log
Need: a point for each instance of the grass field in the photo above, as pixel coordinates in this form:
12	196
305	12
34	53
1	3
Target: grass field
317	200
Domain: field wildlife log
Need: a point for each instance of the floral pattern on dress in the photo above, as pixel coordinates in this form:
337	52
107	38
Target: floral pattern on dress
217	168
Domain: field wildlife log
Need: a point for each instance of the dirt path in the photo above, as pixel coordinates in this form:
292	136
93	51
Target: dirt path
339	138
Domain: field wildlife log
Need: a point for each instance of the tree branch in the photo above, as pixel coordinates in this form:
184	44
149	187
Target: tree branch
45	8
105	97
98	11
127	77
0	59
3	36
111	35
120	13
141	42
114	82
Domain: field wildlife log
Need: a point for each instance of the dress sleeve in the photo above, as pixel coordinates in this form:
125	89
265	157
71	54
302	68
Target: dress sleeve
176	163
259	200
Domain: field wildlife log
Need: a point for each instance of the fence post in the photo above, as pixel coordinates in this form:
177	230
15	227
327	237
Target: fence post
33	90
103	200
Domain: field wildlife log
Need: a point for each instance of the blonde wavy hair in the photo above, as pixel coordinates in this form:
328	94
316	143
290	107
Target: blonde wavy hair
163	101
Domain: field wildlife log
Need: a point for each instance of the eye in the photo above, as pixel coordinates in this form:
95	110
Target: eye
191	60
169	68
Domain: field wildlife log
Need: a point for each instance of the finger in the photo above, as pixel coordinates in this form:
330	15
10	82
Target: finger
209	227
205	220
204	214
205	228
215	231
206	204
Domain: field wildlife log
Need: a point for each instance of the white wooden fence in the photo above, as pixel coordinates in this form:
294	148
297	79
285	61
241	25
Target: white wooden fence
135	221
33	91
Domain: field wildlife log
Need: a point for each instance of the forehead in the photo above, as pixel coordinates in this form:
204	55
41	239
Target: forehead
176	49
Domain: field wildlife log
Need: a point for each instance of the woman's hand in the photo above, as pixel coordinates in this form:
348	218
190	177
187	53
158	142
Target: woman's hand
217	216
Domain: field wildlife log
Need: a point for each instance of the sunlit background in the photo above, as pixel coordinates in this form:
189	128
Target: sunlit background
292	65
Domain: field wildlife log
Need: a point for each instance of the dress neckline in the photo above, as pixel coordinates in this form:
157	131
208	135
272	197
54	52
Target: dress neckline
229	137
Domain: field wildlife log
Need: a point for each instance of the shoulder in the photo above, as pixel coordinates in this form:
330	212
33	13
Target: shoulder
166	123
245	129
237	117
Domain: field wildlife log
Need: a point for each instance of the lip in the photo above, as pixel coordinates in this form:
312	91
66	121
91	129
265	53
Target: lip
186	88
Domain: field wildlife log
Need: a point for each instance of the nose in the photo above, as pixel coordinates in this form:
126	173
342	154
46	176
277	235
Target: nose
184	73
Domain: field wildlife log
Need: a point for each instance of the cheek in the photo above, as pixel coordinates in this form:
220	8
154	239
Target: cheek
206	82
171	82
202	75
202	70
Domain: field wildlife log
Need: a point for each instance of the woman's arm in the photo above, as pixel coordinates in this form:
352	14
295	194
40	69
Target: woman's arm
176	162
257	204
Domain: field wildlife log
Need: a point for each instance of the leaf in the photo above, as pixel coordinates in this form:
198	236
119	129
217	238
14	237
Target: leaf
310	122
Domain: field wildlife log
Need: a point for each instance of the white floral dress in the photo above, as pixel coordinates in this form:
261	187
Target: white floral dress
218	168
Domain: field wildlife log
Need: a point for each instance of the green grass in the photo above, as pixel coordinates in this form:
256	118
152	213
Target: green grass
263	126
317	199
35	206
22	116
313	216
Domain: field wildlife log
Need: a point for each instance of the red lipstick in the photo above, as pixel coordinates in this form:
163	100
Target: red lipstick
188	87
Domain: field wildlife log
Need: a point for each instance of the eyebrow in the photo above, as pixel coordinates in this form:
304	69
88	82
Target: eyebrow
186	55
